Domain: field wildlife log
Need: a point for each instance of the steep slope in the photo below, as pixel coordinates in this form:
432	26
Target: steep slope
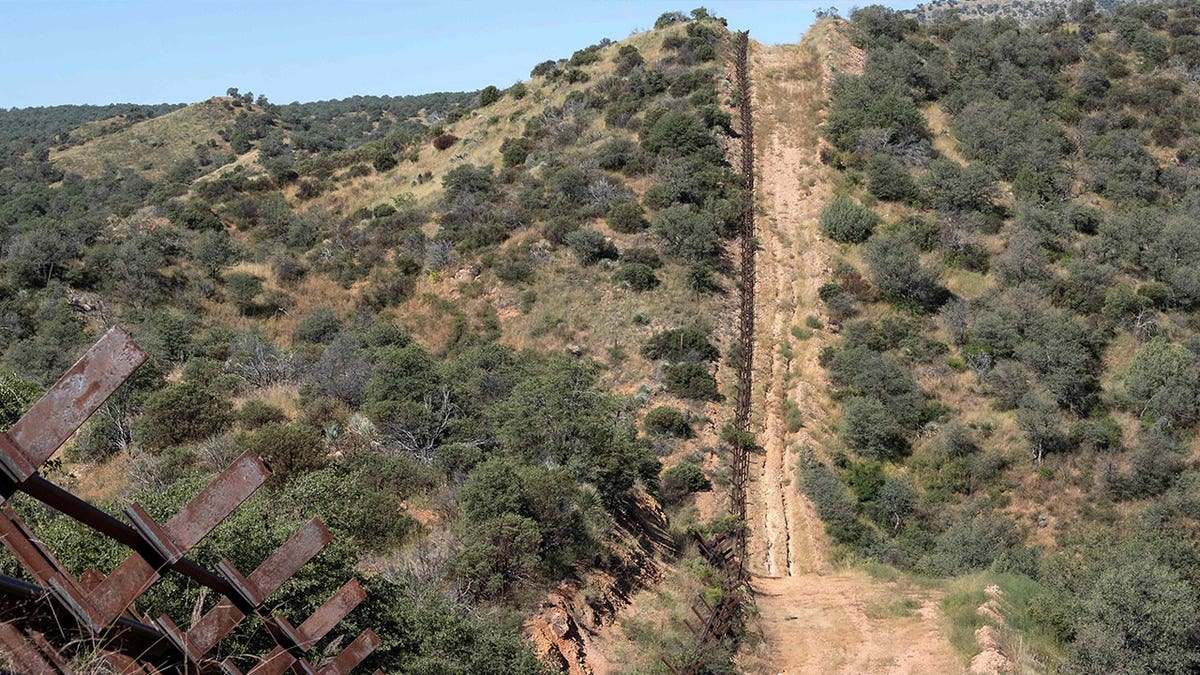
813	616
151	147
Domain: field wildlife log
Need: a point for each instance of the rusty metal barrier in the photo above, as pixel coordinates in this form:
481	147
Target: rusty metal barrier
727	551
43	624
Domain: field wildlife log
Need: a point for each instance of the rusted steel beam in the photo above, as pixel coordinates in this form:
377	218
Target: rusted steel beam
354	654
68	403
141	569
24	654
265	580
331	612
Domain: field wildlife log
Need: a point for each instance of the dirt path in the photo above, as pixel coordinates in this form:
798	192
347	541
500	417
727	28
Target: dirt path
814	618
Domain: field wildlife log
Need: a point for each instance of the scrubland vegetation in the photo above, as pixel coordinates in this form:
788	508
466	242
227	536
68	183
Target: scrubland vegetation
370	352
1015	295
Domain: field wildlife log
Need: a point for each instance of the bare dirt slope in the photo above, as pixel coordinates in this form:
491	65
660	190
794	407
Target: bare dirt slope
814	616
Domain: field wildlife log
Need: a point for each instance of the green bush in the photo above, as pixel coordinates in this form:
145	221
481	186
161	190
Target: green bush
869	429
184	412
16	396
256	413
689	343
845	220
889	181
667	421
635	276
489	95
514	151
591	247
691	380
319	326
627	218
682	480
643	256
289	449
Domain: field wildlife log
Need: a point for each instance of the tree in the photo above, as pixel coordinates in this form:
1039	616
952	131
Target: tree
1163	381
489	95
845	220
869	429
214	251
894	266
687	232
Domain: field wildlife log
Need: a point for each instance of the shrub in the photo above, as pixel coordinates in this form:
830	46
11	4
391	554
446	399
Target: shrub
320	326
845	220
836	508
16	396
487	96
242	289
689	343
888	180
692	380
676	133
257	412
383	211
513	151
591	247
869	429
667	421
628	57
642	255
514	266
627	218
289	449
894	265
635	276
180	413
444	141
688	233
682	480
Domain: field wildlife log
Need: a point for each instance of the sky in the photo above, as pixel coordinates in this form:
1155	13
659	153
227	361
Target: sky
172	51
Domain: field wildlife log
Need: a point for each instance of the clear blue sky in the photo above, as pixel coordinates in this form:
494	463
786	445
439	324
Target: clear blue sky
136	51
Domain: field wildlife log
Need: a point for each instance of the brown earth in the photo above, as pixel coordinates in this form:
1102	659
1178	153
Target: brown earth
814	617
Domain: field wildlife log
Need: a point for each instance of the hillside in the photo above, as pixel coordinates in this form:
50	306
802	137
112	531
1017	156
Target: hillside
481	335
150	147
1021	10
490	338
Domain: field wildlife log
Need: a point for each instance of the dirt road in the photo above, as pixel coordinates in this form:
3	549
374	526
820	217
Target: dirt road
814	616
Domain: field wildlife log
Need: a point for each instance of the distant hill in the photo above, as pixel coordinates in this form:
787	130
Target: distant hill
1024	10
39	121
150	147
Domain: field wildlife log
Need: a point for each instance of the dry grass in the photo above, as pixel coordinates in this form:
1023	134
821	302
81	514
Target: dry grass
151	147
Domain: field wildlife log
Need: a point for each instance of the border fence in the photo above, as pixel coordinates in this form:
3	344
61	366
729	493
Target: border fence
726	552
45	624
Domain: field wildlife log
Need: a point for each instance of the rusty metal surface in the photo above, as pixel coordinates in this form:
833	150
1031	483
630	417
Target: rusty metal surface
331	612
265	580
26	657
95	611
207	509
366	642
77	394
